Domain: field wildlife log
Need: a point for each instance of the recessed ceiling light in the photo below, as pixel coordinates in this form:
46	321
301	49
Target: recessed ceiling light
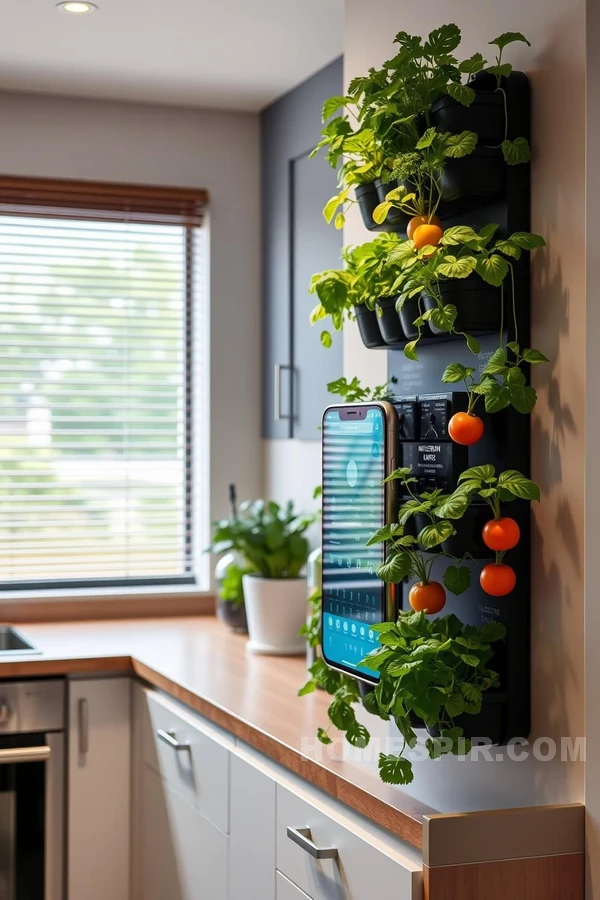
78	7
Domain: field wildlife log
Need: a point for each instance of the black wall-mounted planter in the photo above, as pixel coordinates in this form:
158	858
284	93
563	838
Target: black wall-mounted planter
478	304
396	220
367	197
485	116
389	321
368	326
506	442
408	314
472	181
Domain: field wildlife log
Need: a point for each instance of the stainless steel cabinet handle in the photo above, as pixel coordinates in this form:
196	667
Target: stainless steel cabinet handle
169	738
24	754
277	370
301	836
83	724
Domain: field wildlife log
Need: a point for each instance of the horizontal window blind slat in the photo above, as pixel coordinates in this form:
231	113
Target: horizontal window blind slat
95	382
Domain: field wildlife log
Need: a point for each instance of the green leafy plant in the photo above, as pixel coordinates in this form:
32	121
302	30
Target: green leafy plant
354	392
433	670
501	382
231	587
516	151
366	277
461	252
311	630
270	538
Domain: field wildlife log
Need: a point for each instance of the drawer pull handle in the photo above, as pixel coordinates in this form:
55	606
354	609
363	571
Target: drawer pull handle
169	738
301	836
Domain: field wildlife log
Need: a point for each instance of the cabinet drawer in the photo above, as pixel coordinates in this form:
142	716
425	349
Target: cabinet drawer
363	867
181	855
288	891
198	770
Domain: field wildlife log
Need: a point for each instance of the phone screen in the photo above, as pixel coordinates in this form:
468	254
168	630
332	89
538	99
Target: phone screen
354	454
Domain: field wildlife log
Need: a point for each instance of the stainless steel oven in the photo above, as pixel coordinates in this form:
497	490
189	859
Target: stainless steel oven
32	765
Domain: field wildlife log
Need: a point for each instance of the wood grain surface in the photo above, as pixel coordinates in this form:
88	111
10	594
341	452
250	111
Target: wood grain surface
201	663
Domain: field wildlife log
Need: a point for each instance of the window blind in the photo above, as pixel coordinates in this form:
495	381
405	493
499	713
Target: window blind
97	286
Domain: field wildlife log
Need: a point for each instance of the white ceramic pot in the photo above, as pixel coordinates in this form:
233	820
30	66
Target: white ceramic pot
276	610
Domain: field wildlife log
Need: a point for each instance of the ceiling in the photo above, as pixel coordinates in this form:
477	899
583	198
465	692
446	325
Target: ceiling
233	54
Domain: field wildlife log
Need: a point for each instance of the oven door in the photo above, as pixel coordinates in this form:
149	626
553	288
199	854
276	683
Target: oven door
31	816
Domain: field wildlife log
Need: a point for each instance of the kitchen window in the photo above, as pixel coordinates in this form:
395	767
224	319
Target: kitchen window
101	299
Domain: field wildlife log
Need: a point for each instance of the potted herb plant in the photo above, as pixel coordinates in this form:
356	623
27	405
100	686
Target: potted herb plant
272	541
361	291
229	571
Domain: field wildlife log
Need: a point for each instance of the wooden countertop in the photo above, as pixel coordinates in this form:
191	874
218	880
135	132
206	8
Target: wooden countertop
199	662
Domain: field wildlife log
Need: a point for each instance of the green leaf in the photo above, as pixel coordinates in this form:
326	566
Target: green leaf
484	473
396	568
332	105
519	486
386	533
326	339
318	312
509	37
487	233
502	70
457	579
323	736
462	93
401	474
455	506
458	145
371	704
455	705
508	249
493	269
341	714
513	347
471	692
443	318
357	735
514	376
395	769
410	350
456	372
442	40
458	234
330	207
433	535
380	212
496	397
522	397
526	240
427	139
472	343
516	152
453	267
496	364
473	64
534	357
469	659
340	221
406	730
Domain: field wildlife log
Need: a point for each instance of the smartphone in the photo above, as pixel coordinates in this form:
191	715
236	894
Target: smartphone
359	443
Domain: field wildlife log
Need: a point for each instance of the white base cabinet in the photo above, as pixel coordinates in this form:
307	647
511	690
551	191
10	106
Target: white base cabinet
99	789
211	820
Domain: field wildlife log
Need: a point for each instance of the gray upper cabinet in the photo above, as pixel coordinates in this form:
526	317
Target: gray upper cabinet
296	243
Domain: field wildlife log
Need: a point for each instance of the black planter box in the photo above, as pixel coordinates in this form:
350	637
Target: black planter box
367	199
489	724
485	116
475	179
396	220
478	304
409	312
369	327
389	321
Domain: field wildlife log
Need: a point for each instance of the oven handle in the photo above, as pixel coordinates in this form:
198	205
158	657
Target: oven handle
24	755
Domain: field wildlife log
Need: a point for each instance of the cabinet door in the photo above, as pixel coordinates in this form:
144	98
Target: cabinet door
99	788
315	246
290	127
181	855
252	835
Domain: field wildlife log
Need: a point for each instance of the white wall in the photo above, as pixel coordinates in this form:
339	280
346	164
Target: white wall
556	64
106	141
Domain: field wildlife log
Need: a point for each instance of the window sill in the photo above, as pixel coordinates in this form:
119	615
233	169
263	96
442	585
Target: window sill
105	603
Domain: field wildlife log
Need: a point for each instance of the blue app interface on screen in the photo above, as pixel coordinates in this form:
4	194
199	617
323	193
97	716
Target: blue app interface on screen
353	509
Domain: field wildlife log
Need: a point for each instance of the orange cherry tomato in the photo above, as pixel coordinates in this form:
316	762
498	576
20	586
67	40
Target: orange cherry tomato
421	220
429	598
501	534
427	236
465	428
497	579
